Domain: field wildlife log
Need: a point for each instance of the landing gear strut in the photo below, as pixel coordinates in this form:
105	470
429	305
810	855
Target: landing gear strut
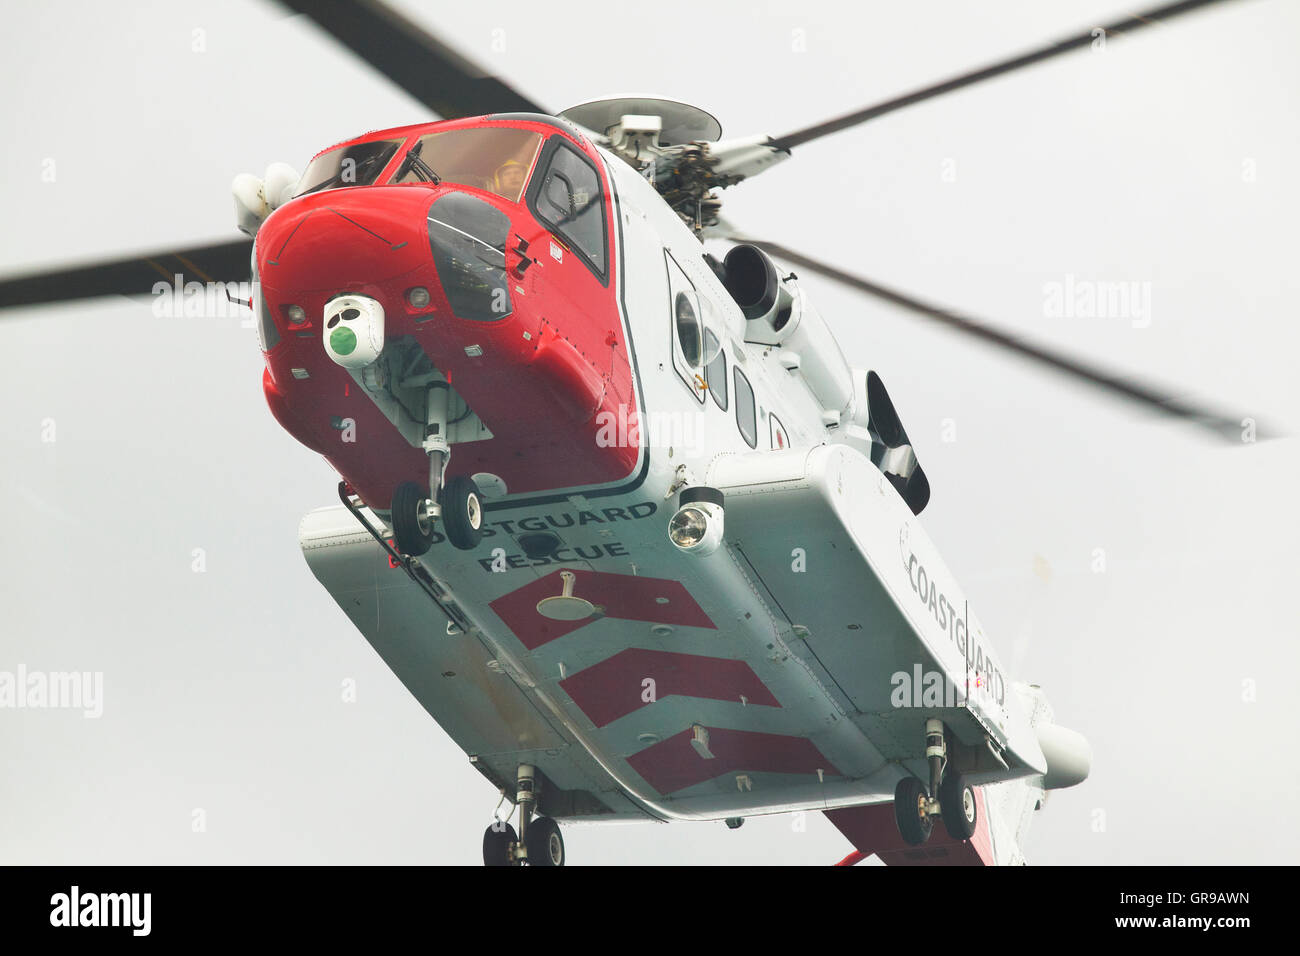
948	797
460	505
538	843
457	502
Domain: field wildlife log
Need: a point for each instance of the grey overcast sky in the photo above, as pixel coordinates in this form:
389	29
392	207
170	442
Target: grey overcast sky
1168	159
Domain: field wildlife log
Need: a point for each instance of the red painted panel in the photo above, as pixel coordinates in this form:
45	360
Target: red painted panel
613	688
627	596
674	764
539	379
872	830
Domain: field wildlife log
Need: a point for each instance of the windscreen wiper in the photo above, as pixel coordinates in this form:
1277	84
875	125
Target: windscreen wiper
413	163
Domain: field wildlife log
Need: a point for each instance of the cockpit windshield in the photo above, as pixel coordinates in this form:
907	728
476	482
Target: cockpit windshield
357	165
495	159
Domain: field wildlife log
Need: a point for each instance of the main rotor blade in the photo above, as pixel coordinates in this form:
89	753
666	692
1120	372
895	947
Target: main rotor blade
1127	25
220	262
1228	427
435	74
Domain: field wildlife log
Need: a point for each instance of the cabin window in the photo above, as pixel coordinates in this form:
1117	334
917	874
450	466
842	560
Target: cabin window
697	326
746	417
716	372
687	322
780	439
568	199
686	331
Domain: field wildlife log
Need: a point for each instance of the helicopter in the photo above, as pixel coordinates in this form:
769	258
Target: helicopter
474	437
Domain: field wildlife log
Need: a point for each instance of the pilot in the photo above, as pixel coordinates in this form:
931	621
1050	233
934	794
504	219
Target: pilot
509	179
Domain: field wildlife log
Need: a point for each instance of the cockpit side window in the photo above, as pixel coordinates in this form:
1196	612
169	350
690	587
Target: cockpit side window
567	197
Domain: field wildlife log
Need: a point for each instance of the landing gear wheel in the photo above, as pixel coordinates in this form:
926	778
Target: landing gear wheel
498	839
957	805
412	523
462	512
545	845
909	811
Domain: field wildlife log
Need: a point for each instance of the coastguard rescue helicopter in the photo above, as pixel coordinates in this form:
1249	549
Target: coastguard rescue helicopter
618	511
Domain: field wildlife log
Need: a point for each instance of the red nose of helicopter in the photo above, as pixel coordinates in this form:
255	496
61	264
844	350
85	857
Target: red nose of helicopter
382	292
420	254
363	267
343	239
